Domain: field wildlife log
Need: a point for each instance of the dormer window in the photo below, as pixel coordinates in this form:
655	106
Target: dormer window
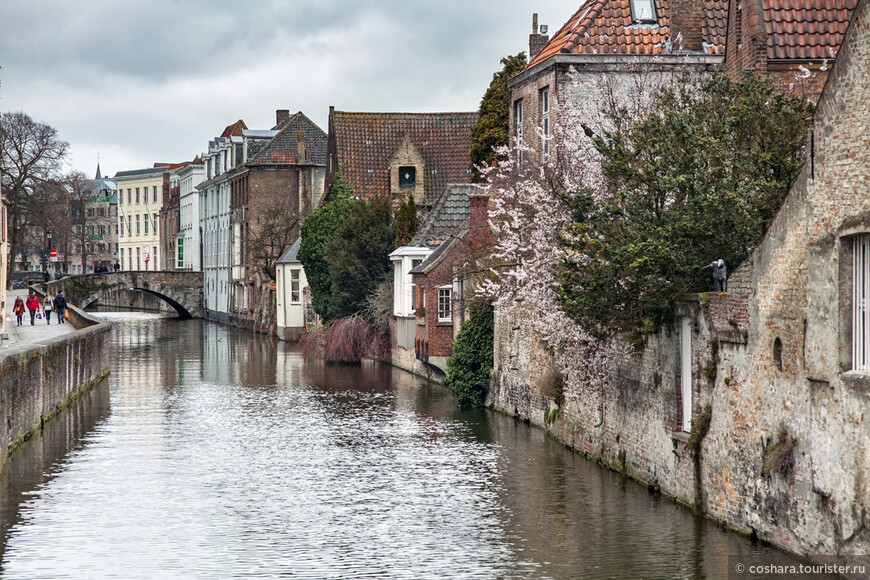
407	176
643	12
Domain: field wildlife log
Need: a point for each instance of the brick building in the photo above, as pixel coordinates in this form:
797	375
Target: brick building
446	218
775	39
445	281
395	154
283	179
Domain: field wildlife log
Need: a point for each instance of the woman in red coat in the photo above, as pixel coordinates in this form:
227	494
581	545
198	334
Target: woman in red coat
18	309
32	305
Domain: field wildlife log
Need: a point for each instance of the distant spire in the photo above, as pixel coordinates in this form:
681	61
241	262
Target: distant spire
98	168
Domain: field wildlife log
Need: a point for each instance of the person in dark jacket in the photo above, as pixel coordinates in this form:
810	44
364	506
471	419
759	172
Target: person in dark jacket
60	307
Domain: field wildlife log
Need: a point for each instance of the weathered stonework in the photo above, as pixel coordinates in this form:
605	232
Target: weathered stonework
773	353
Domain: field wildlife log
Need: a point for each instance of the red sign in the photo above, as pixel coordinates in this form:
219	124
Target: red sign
53	253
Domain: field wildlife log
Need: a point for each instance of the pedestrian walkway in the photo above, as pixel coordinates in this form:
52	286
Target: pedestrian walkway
26	334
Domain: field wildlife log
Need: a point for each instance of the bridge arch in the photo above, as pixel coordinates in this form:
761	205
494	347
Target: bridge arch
181	290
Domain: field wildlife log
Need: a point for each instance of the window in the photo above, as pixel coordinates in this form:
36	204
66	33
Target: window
545	124
138	231
179	261
445	297
518	128
129	198
407	176
154	193
295	291
120	197
861	303
146	226
137	194
643	12
155	224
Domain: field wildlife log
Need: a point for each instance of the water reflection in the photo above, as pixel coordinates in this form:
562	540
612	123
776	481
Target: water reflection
217	453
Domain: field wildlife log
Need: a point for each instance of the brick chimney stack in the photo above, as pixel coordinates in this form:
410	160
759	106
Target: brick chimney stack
686	21
300	147
281	117
537	41
478	205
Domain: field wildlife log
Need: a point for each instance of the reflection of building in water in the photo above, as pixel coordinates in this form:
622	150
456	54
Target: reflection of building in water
216	353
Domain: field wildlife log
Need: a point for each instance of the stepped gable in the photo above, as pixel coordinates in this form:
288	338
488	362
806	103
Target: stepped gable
364	144
805	29
605	27
283	148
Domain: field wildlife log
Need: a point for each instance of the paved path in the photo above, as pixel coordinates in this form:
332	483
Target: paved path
25	333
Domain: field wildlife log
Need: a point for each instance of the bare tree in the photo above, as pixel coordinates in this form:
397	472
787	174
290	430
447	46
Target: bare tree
31	156
271	235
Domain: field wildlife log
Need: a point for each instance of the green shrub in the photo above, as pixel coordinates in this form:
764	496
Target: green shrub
470	366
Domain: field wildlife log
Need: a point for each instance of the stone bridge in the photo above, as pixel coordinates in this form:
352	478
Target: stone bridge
182	290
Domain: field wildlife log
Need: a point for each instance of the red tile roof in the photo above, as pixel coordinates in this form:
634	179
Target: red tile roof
806	29
606	27
234	130
364	144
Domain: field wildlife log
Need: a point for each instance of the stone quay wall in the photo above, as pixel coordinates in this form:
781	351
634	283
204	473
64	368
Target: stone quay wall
38	380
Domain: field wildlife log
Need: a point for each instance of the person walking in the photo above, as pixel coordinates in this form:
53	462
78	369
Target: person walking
47	307
60	307
18	309
32	304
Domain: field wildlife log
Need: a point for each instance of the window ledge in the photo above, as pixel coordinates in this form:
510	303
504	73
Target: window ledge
680	436
444	323
859	380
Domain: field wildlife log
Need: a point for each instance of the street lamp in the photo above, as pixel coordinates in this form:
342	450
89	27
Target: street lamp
47	250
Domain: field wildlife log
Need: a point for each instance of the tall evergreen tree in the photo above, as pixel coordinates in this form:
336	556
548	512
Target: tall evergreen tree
358	256
318	230
492	127
407	222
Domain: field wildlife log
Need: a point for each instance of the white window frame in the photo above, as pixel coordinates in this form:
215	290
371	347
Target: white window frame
861	303
545	124
295	286
638	12
518	128
445	304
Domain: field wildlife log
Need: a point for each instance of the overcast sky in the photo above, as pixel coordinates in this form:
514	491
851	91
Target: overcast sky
142	82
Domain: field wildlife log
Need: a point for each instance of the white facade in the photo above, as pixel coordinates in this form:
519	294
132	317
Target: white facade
188	247
214	219
404	259
140	197
292	294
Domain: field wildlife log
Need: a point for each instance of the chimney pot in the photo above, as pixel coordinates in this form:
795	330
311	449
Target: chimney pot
282	116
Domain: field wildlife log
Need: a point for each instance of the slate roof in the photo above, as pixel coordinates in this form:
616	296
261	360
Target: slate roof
139	172
364	144
435	257
449	212
805	29
283	147
606	27
290	256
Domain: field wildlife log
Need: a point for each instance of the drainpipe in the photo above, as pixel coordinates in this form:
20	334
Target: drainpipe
600	421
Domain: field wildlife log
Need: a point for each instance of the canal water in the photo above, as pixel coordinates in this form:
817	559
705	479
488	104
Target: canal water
214	453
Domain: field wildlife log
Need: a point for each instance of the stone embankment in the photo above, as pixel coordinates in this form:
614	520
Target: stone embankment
44	368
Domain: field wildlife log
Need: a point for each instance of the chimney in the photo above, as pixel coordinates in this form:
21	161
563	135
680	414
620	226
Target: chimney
478	204
300	147
281	117
686	22
537	41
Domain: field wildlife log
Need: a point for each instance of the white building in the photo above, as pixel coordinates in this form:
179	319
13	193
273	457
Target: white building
188	248
140	197
293	295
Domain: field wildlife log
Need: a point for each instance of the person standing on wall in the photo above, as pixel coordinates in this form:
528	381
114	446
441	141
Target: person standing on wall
32	304
60	307
18	309
47	307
